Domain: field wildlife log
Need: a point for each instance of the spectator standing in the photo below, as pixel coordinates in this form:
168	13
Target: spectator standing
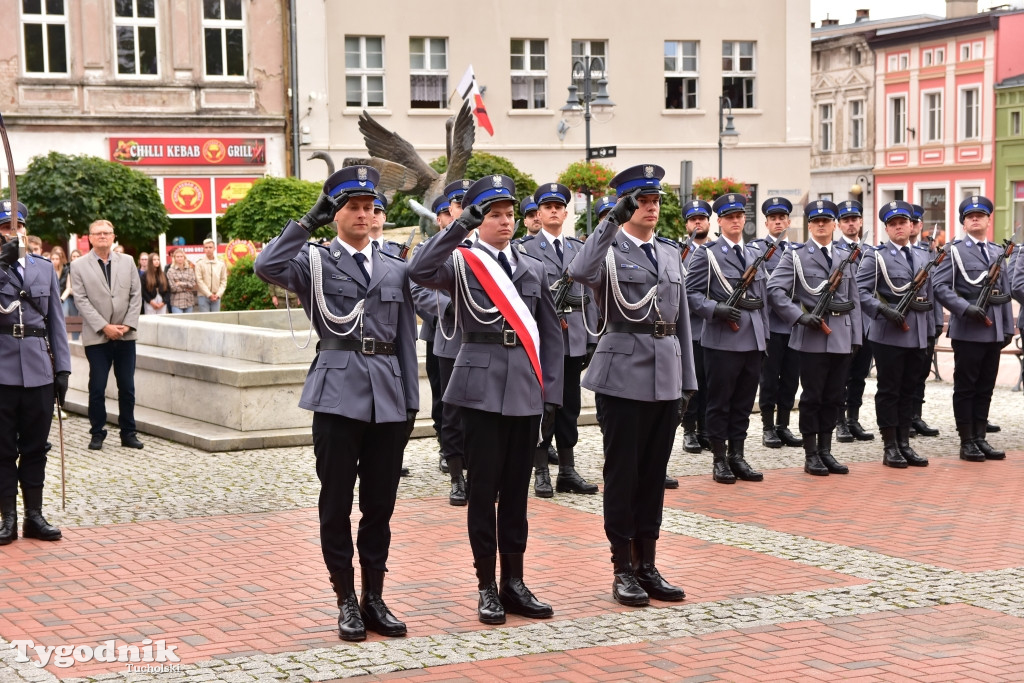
211	278
143	263
182	278
156	291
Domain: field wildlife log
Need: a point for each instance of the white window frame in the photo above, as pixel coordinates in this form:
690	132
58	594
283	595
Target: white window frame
963	134
858	121
897	130
927	133
926	58
428	70
530	75
977	49
965	52
587	46
749	75
45	19
223	25
826	126
892	63
363	72
940	55
136	22
681	72
904	61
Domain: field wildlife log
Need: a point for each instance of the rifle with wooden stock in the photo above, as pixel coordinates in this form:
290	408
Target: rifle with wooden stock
836	277
746	280
992	278
920	277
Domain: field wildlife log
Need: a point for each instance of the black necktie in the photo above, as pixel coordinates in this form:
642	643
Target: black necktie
360	260
984	252
828	258
783	245
739	254
105	267
503	260
910	259
649	250
558	249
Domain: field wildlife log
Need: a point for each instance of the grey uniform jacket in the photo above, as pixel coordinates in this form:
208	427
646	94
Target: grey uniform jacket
1017	279
100	304
704	290
575	338
790	299
696	322
436	303
874	290
938	313
640	367
776	323
956	294
378	388
25	362
865	319
488	376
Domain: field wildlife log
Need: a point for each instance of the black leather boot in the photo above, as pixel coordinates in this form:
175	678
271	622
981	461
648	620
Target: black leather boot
488	609
983	445
350	622
968	446
825	454
769	438
691	444
908	453
721	473
843	434
648	576
702	436
35	525
853	422
376	615
891	456
991	428
552	455
787	437
542	477
568	479
457	496
812	461
8	519
918	424
739	466
515	597
625	588
442	463
671	482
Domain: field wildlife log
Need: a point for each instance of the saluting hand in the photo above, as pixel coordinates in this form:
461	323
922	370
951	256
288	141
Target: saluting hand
323	211
624	208
471	218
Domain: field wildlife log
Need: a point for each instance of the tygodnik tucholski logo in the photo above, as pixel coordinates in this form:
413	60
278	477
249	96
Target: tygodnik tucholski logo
149	656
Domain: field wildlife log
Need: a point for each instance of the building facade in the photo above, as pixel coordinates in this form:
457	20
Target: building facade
191	92
1008	194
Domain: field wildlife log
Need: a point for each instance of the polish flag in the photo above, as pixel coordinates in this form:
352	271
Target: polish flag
467	87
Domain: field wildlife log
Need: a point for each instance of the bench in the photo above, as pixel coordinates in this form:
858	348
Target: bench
1014	349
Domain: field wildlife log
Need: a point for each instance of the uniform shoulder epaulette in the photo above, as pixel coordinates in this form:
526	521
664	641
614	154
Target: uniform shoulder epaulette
668	241
957	241
394	256
39	257
879	247
754	244
525	238
841	244
798	245
521	248
756	239
574	239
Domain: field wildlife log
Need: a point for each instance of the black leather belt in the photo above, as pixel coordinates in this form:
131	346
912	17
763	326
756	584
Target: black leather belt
655	329
368	346
22	331
507	338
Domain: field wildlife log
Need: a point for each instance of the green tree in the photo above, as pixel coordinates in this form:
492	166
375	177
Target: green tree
670	221
65	193
268	206
245	291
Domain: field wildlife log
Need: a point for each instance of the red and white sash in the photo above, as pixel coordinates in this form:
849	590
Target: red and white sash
502	292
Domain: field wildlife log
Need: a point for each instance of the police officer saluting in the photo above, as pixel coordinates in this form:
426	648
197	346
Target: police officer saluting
362	385
977	334
578	317
824	342
507	374
642	374
886	273
31	327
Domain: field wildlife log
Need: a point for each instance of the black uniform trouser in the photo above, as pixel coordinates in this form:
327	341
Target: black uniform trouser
436	392
855	381
698	405
25	417
975	366
638	437
780	374
120	354
897	369
732	383
923	377
822	376
452	434
345	448
500	449
566	432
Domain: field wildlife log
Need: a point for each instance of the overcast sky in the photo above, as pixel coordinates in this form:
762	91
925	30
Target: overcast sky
846	10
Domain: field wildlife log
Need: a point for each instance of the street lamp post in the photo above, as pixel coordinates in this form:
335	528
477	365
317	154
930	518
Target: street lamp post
600	103
727	133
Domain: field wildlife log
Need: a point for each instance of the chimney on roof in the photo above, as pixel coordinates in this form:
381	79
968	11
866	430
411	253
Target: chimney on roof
961	8
829	22
863	14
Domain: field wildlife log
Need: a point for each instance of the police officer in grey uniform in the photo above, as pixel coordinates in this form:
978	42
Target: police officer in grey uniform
578	319
917	424
886	272
794	289
780	370
508	374
1017	286
697	215
531	219
363	384
642	374
380	216
31	326
732	359
977	334
602	206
